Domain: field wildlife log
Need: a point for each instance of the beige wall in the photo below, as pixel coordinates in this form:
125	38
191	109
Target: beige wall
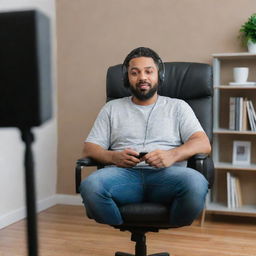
94	34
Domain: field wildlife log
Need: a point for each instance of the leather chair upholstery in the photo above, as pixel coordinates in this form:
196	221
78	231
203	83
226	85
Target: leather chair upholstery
191	82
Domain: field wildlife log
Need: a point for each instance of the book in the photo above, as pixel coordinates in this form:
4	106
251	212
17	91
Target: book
232	186
237	113
251	121
245	116
234	195
239	193
232	113
240	102
228	190
253	113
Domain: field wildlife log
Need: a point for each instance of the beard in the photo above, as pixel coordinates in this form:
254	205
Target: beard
141	94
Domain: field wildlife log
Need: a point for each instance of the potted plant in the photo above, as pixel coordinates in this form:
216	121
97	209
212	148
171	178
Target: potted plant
248	33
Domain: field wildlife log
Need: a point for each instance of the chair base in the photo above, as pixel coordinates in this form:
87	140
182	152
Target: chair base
129	254
138	236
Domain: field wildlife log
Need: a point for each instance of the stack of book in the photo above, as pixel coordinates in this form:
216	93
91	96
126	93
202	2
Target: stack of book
241	113
234	195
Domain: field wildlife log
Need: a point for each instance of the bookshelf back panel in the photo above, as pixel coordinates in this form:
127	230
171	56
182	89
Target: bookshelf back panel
226	146
227	69
248	182
220	187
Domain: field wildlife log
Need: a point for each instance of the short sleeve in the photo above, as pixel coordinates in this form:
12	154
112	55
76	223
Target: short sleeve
100	132
188	122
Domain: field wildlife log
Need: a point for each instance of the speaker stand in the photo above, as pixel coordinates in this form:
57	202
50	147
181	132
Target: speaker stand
28	138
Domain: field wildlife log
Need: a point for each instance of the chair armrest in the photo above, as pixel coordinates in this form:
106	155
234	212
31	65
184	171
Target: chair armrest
204	164
199	156
86	162
80	164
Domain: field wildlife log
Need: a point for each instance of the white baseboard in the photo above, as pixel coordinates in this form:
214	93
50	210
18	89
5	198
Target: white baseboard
12	217
69	199
19	214
46	203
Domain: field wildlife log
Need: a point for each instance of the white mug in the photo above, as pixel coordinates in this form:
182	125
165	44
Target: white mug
240	74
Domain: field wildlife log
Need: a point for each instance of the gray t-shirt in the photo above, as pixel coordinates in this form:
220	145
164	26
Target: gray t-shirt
166	124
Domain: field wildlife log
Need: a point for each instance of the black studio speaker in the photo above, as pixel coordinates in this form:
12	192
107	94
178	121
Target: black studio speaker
25	69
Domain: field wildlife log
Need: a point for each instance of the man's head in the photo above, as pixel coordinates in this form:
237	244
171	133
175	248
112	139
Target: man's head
143	70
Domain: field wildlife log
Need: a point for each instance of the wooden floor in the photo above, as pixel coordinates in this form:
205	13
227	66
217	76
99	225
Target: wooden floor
64	230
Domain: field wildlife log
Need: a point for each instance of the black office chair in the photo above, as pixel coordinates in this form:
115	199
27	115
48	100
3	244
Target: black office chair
191	82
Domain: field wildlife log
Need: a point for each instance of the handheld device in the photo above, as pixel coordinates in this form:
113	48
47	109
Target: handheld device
142	154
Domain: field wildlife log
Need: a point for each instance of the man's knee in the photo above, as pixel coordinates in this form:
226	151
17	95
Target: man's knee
90	187
196	183
191	199
196	190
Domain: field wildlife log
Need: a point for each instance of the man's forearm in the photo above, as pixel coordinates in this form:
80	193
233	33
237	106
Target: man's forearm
124	158
195	145
98	153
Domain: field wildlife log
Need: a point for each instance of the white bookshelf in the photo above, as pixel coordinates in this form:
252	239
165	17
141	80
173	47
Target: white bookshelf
223	137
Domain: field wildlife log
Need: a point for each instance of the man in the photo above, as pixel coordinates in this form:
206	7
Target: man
165	128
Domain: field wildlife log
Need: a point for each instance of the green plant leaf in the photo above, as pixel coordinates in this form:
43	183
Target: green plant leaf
248	29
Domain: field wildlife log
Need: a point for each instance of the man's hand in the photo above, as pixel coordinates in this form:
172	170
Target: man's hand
160	158
125	158
197	143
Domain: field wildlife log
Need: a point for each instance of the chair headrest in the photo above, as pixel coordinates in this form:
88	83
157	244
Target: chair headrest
183	80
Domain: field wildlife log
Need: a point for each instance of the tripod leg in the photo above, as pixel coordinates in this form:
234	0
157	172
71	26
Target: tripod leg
27	138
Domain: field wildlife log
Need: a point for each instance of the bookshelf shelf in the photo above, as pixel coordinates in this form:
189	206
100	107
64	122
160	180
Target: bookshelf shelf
245	210
233	87
230	166
243	176
227	131
234	56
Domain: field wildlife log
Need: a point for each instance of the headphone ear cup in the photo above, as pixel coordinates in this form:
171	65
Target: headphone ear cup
161	72
125	77
126	81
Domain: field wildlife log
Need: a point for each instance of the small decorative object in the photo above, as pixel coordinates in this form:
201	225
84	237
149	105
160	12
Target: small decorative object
240	74
248	33
241	152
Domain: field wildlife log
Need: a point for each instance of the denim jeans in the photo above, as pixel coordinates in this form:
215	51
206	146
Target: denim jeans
182	188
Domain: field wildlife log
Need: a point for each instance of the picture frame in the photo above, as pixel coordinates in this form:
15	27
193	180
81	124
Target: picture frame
241	152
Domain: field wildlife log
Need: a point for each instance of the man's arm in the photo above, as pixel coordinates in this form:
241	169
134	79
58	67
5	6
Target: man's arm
197	143
125	158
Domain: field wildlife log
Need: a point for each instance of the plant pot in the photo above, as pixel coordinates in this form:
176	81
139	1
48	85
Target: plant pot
251	46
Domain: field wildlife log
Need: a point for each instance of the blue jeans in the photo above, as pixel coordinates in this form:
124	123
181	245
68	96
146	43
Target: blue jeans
182	188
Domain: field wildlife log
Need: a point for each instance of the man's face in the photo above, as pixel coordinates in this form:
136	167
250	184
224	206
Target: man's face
143	77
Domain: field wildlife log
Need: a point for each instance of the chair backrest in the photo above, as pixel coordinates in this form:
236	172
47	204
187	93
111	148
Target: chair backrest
189	81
